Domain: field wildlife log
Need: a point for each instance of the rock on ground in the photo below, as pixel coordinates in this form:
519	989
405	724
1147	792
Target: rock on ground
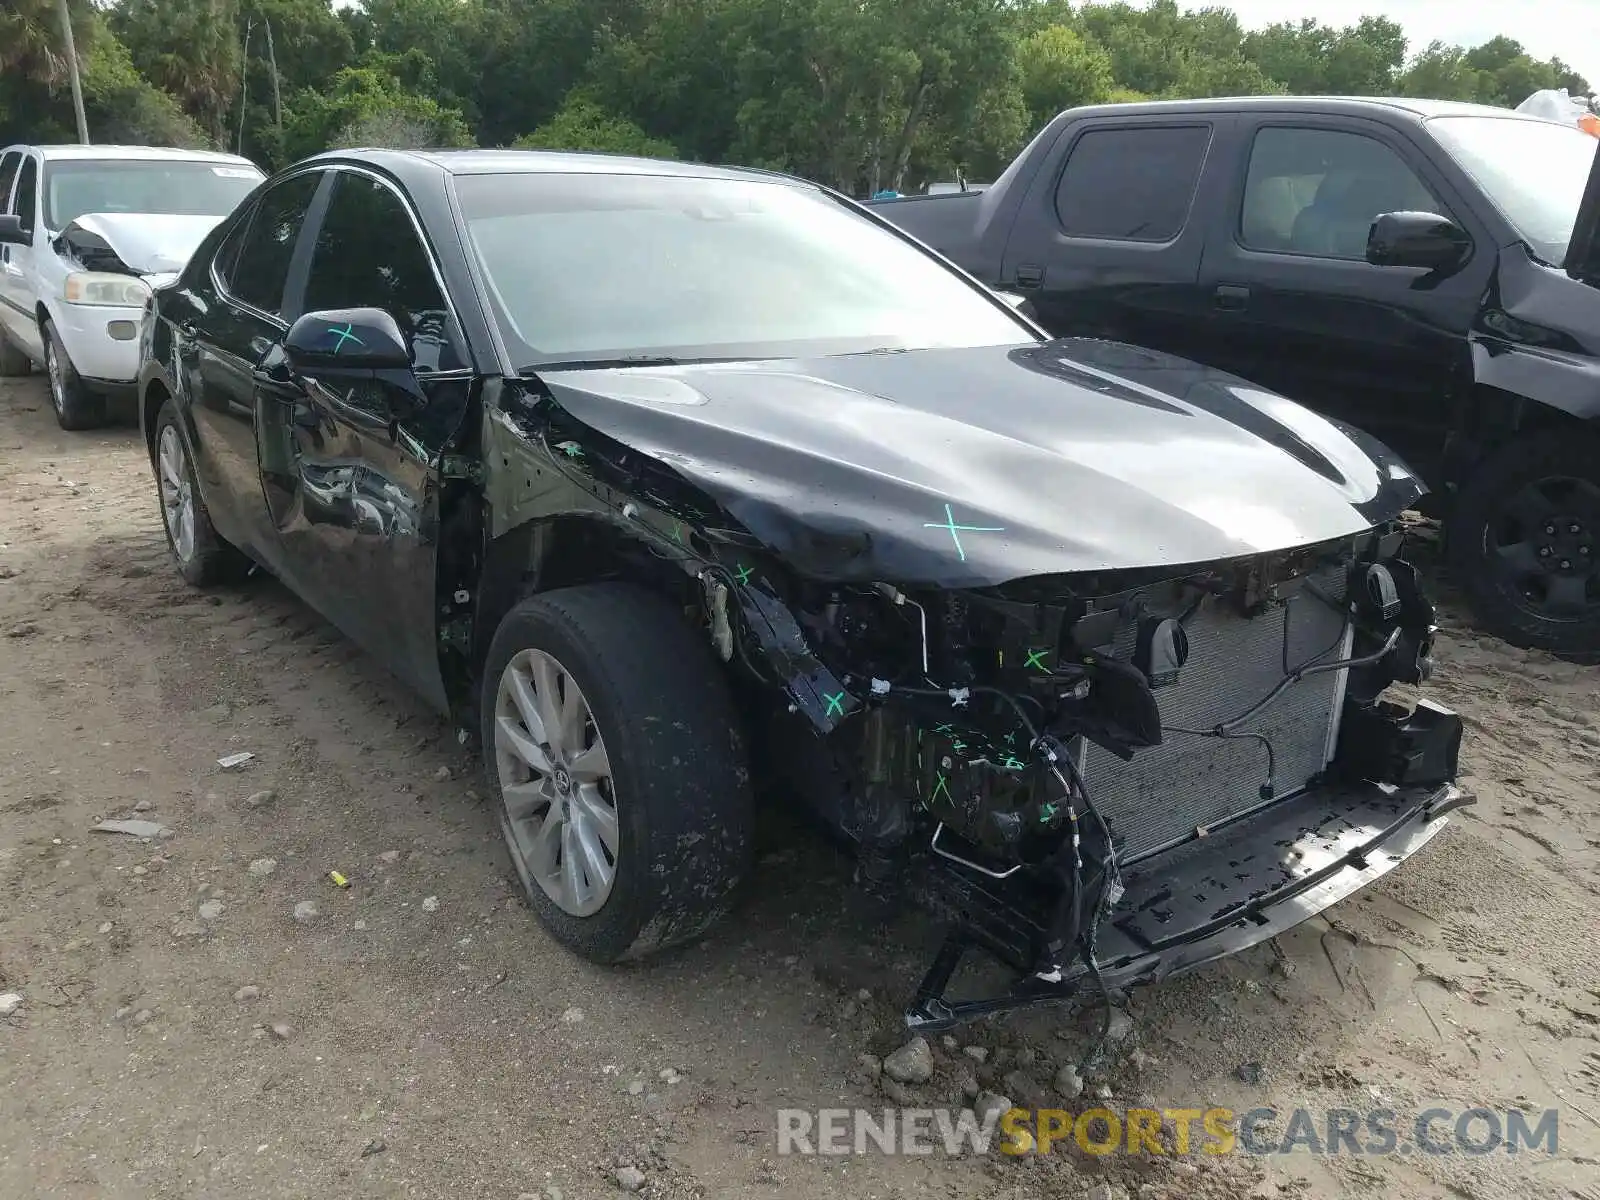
912	1063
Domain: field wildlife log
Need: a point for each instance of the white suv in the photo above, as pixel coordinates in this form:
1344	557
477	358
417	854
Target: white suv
85	232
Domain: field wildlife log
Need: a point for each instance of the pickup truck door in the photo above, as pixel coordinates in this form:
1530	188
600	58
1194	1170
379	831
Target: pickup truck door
1108	237
1294	305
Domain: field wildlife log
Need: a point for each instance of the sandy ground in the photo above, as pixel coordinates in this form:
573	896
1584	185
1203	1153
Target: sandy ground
182	1034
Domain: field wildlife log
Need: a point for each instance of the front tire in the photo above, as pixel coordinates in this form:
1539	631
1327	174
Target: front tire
616	756
201	555
1524	543
75	405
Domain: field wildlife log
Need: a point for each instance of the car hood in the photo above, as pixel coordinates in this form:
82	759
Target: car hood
972	467
145	243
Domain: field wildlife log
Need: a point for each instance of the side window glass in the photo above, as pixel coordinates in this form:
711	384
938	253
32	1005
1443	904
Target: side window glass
1317	191
261	265
228	252
367	255
8	174
25	204
1133	184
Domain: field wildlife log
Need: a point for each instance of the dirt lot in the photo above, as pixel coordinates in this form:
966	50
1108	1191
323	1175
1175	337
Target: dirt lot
183	1034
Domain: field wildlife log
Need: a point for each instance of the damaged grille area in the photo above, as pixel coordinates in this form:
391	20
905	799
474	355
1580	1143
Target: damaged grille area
1191	782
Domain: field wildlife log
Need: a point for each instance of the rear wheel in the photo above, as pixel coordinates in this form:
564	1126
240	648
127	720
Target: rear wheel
76	406
617	759
202	556
13	360
1524	543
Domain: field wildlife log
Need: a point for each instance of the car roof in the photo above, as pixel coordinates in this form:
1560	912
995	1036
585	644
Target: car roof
126	153
529	162
1404	106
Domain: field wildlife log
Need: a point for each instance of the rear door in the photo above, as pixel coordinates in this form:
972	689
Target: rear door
354	495
224	338
1108	242
1295	306
18	304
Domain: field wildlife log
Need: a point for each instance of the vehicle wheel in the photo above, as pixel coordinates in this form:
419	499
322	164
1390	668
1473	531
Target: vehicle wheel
620	768
1524	543
76	406
13	361
203	557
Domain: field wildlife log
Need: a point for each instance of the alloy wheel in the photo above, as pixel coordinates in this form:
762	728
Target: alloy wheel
559	805
1545	547
177	495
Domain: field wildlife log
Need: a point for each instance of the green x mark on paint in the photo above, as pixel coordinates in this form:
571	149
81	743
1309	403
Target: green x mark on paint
943	729
835	704
1047	811
958	745
571	449
744	574
1013	763
941	786
344	335
677	532
955	531
1036	659
1011	738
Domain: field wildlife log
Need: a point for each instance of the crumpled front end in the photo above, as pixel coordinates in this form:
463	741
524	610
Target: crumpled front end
1131	772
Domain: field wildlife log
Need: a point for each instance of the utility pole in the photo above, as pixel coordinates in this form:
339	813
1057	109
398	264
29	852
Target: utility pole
277	95
72	66
244	84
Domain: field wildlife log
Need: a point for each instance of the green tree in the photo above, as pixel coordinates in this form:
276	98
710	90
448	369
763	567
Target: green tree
367	106
189	49
1060	69
581	124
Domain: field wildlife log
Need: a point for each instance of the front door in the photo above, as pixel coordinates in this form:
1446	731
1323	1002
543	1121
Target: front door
354	491
236	318
1297	308
18	304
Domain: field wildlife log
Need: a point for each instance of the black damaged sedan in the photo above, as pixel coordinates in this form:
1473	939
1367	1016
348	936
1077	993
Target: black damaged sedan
676	484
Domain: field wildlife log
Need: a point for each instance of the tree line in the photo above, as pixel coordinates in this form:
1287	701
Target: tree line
858	94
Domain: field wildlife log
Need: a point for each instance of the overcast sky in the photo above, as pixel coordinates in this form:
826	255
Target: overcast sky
1565	29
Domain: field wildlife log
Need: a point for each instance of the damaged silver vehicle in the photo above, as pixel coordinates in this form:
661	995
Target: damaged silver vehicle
677	484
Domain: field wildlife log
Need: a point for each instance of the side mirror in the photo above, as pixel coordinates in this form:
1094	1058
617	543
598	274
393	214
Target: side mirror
1417	239
347	339
12	233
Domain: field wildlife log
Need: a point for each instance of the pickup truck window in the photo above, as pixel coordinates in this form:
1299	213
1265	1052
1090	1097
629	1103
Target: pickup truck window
1533	172
1316	191
1131	184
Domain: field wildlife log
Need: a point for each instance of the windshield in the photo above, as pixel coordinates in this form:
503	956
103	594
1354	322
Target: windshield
1533	171
596	267
73	187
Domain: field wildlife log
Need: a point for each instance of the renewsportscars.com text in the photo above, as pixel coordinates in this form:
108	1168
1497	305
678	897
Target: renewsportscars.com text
1168	1131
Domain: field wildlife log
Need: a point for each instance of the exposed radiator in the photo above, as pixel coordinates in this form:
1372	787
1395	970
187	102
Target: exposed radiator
1170	790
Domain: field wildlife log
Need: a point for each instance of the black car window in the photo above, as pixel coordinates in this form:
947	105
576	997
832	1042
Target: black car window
1316	192
8	173
25	204
257	273
1131	184
368	255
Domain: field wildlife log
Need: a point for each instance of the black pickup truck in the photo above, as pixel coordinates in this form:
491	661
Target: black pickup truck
1427	271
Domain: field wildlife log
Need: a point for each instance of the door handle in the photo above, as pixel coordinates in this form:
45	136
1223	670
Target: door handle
1029	276
1232	297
